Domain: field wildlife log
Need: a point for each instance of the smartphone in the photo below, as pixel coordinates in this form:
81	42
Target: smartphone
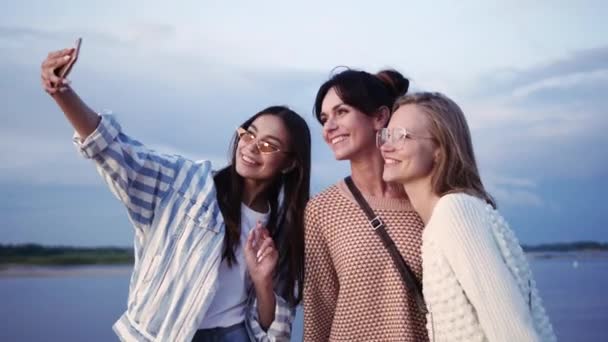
65	69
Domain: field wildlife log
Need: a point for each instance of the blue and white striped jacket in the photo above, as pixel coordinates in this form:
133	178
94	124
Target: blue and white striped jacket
179	234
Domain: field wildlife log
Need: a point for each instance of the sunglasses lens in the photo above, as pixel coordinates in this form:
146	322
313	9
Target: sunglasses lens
265	147
246	137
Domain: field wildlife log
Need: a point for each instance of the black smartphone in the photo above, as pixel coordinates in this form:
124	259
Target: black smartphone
65	69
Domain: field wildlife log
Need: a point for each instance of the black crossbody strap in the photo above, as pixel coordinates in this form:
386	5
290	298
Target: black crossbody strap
410	280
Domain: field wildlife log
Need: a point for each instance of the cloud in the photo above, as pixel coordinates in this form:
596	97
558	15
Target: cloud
514	191
42	160
190	109
561	82
151	33
547	120
142	33
497	82
512	181
19	33
187	103
517	197
17	38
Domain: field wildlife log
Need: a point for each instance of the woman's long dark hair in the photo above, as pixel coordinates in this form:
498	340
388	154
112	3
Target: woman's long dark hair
287	195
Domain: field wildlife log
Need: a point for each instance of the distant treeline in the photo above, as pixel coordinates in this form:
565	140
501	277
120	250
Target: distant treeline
33	254
568	247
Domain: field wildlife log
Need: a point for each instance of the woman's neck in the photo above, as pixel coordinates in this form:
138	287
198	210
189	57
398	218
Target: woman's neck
422	197
367	172
254	195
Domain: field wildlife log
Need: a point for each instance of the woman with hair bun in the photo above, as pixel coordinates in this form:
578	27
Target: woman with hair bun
353	288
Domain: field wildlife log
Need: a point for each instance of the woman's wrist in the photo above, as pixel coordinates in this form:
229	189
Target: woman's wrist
263	287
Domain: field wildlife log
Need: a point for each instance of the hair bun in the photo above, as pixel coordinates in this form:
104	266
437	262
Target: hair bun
394	81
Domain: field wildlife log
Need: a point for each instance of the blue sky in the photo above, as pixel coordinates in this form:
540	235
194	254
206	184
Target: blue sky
531	78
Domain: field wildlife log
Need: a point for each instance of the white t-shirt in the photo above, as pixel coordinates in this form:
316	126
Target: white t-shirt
229	304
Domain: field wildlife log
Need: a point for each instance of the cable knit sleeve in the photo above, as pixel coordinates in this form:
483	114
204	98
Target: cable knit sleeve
468	245
320	281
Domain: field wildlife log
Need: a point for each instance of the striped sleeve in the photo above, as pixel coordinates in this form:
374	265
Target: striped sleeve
138	177
280	329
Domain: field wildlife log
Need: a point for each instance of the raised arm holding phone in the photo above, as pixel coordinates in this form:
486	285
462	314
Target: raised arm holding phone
218	254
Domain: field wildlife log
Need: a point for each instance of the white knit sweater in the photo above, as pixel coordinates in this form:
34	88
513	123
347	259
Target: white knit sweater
476	279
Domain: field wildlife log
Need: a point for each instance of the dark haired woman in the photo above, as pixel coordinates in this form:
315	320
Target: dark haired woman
353	290
218	256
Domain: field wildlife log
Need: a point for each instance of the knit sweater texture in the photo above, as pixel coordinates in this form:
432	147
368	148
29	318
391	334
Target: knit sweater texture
476	281
352	289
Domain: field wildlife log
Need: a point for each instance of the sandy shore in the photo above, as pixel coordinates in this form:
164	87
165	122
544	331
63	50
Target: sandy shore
12	271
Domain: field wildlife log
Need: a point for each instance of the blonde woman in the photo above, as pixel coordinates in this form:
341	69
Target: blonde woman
477	283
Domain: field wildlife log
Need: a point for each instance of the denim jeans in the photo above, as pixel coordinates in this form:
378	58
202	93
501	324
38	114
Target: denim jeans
234	333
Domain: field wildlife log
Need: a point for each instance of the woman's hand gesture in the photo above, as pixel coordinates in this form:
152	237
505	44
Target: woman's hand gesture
261	257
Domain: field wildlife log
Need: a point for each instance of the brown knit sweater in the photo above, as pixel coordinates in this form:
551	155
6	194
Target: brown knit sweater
352	289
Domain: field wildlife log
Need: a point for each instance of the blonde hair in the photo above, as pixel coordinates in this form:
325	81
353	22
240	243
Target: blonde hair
456	169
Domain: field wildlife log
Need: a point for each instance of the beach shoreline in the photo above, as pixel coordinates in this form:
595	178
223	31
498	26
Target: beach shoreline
19	270
31	270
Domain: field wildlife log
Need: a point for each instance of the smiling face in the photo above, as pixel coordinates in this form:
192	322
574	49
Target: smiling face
347	131
413	157
251	163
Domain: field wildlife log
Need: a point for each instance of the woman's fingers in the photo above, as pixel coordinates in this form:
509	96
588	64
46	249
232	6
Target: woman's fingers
52	84
260	242
53	63
265	243
53	66
264	232
255	236
56	59
59	53
52	87
266	249
47	86
268	252
251	239
56	80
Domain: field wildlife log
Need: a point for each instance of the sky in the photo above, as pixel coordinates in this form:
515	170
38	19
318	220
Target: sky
531	77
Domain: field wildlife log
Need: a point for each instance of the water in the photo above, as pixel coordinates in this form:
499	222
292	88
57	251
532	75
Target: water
575	294
66	308
76	307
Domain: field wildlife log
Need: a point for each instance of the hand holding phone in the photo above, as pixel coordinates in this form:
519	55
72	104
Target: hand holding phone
64	70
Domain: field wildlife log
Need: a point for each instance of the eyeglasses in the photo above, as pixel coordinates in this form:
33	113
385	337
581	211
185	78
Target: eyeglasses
396	136
263	146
